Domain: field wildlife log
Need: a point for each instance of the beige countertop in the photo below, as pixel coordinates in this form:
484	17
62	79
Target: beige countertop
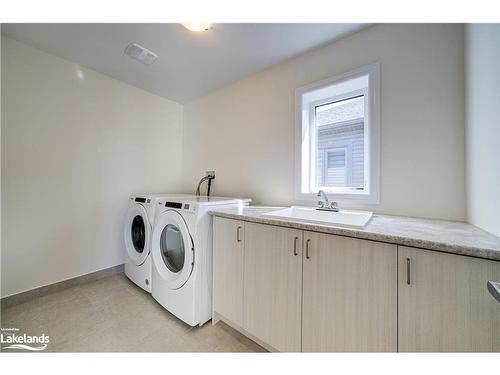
447	236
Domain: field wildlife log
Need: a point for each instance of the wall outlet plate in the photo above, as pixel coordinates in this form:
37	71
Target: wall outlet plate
210	174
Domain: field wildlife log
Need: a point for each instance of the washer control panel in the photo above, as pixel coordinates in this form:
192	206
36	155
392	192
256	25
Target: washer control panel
142	200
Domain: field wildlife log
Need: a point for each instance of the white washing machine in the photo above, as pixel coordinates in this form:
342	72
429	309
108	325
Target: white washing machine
138	227
181	250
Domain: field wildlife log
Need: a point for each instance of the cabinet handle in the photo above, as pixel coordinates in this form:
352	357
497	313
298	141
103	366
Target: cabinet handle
238	237
408	267
307	249
295	252
494	289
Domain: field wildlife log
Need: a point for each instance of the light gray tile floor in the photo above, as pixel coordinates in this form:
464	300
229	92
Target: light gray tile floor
114	315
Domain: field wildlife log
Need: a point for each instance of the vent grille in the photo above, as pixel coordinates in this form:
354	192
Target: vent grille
140	53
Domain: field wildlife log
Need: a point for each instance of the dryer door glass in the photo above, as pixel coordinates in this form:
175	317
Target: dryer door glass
172	248
138	233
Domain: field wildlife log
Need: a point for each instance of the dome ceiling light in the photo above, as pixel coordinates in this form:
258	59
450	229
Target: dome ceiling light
197	26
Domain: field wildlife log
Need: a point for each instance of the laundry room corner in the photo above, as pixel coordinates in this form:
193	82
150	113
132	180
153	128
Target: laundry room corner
75	145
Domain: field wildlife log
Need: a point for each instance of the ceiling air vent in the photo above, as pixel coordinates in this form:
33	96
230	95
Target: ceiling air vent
140	53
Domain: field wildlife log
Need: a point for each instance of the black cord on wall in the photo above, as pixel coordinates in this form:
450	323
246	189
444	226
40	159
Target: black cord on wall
209	185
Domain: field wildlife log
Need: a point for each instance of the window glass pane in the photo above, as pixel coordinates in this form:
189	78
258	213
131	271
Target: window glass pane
341	111
340	143
335	175
336	159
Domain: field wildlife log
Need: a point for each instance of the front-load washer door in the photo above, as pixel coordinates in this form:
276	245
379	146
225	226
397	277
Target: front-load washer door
172	249
137	234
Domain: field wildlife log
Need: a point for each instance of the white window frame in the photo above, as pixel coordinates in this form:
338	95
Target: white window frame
304	133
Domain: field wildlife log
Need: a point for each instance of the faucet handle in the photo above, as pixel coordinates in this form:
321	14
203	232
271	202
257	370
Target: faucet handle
334	205
321	204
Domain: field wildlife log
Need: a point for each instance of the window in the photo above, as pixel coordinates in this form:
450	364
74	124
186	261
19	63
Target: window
332	169
338	138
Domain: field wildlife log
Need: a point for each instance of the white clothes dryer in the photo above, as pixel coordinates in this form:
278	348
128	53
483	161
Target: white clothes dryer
181	251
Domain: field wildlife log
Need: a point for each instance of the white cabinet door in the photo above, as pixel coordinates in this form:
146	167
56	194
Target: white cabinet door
228	255
349	295
444	304
273	285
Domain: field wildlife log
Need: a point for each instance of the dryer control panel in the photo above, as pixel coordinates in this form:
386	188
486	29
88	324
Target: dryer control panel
177	205
183	206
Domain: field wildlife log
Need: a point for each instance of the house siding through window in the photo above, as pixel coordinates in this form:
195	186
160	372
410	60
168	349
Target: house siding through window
340	144
333	138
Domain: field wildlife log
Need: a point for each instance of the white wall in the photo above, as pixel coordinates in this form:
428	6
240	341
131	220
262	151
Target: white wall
483	125
246	130
72	151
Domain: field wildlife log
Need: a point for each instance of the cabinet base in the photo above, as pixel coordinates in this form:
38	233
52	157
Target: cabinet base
218	317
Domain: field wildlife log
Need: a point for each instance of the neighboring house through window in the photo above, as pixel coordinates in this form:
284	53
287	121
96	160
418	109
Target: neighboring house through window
338	137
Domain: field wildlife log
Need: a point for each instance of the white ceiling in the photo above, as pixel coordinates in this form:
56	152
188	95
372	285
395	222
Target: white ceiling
189	64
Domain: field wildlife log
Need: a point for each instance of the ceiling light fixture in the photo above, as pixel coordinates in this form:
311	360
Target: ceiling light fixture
197	26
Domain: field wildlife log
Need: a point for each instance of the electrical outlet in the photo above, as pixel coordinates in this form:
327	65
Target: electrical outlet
210	174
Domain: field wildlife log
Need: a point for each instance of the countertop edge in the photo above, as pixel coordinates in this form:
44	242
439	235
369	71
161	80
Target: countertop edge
482	253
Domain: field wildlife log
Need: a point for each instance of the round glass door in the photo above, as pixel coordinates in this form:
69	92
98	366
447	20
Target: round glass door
137	233
172	248
138	230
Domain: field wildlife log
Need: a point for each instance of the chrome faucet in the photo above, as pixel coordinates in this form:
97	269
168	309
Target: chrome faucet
326	205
